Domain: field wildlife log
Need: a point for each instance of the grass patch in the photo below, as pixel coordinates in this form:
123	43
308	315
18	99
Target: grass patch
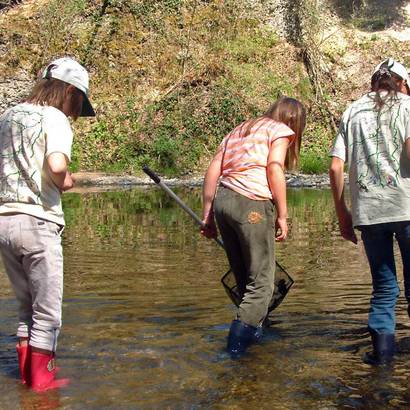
314	163
373	23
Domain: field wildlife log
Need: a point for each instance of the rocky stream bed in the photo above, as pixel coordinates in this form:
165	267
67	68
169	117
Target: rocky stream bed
103	180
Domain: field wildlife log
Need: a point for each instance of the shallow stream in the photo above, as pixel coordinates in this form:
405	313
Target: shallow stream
145	318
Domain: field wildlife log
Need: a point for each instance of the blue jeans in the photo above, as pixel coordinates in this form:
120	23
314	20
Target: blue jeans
378	243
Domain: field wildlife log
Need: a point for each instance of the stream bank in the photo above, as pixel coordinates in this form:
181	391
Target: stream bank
105	180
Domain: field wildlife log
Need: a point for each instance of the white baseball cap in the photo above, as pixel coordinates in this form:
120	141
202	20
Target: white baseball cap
395	67
70	71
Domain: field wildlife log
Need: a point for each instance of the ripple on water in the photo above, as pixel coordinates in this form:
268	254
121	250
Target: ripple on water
146	319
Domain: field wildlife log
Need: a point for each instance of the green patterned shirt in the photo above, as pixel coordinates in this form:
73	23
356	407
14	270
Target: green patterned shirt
28	135
372	143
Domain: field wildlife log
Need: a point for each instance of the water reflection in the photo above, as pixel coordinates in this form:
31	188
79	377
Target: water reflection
145	317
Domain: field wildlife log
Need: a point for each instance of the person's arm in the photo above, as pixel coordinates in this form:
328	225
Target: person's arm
336	174
208	194
59	139
58	171
277	184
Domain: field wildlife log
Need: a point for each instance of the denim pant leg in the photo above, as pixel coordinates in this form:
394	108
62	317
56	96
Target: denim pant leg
403	239
378	243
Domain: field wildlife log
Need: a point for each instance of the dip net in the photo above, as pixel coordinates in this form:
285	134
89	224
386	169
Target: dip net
283	282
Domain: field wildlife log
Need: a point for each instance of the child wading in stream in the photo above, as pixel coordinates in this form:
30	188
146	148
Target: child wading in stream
35	148
249	165
374	139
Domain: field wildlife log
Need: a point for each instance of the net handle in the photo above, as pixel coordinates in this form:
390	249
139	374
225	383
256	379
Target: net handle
185	207
178	200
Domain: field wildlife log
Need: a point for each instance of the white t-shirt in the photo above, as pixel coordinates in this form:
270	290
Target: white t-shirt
28	135
372	143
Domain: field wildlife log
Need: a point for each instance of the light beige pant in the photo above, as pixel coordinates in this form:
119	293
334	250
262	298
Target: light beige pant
33	258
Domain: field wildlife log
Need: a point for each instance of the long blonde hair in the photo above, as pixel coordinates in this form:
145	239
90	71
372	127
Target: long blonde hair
292	113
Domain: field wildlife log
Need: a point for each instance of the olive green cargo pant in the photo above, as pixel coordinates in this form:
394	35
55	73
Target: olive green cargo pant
248	233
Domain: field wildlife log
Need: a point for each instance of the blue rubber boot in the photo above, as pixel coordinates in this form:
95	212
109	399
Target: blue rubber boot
241	336
383	349
258	334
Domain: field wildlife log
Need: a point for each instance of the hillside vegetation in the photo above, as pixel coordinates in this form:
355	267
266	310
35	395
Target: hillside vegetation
170	78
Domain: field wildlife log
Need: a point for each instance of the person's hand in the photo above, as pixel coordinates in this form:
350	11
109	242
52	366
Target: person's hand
209	231
346	226
281	229
73	178
68	183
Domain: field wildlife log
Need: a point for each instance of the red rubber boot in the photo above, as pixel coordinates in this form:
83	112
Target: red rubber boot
23	354
43	373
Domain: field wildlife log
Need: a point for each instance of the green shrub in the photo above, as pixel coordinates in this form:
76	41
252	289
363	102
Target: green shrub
371	23
314	163
169	79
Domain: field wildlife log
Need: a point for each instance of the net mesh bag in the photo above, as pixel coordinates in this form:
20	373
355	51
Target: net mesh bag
283	283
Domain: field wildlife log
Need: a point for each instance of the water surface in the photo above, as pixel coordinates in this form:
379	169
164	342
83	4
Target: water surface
146	319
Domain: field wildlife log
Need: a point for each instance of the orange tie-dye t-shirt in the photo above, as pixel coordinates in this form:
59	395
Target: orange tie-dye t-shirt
245	158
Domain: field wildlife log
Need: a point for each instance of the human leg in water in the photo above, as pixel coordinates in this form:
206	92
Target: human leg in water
24	358
43	371
247	228
378	243
44	267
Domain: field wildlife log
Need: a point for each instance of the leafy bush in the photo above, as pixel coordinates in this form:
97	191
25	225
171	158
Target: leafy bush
314	163
169	79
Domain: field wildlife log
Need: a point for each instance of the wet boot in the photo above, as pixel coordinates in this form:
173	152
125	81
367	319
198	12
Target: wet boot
43	373
383	349
241	336
258	334
23	354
